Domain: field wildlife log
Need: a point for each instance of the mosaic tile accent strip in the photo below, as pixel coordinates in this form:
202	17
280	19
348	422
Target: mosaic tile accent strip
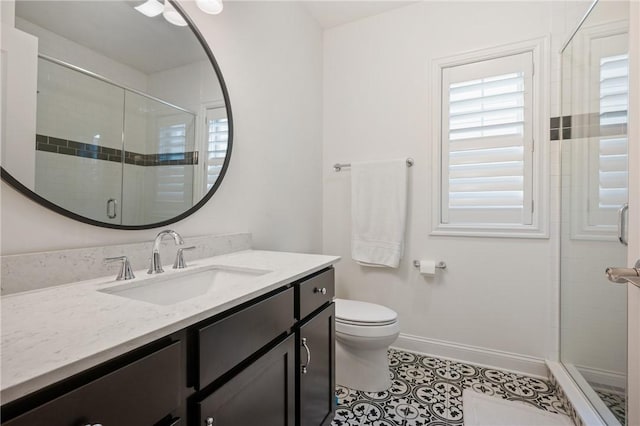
616	402
97	152
582	126
428	391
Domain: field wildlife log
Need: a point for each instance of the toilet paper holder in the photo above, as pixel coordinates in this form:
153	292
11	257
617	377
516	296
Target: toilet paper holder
439	265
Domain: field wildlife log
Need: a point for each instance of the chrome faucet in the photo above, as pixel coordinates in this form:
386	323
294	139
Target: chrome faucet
156	265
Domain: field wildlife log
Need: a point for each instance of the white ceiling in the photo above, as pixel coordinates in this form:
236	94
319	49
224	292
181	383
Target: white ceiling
150	45
117	31
331	13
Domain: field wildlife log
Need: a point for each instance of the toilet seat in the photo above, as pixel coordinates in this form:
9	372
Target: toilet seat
363	313
365	319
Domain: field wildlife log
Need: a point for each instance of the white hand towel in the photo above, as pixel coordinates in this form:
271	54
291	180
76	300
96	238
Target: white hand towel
378	212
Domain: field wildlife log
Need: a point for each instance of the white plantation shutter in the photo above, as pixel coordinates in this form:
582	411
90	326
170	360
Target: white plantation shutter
217	143
608	188
173	183
487	116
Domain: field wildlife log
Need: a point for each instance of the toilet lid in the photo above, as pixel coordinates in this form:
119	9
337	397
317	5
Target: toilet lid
363	313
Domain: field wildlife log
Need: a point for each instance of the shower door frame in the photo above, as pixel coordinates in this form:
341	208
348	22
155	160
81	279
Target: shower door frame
633	249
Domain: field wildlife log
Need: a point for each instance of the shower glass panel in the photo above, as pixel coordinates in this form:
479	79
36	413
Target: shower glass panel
593	311
75	135
110	154
160	152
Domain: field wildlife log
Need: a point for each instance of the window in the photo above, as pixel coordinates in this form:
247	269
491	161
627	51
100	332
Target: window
488	180
600	171
608	185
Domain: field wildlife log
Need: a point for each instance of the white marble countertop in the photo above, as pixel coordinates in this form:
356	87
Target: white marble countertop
53	333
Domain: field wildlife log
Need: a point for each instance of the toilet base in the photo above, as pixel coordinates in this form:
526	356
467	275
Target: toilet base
365	370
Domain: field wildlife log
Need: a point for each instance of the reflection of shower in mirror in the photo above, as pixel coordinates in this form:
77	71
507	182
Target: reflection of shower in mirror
131	133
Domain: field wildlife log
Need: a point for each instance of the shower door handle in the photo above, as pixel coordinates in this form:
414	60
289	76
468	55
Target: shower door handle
112	208
625	275
622	224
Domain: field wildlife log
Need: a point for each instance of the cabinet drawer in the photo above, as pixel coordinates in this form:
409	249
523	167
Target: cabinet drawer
261	394
141	393
224	344
315	292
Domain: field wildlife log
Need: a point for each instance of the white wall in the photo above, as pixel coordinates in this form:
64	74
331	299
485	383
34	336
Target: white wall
271	58
18	52
497	300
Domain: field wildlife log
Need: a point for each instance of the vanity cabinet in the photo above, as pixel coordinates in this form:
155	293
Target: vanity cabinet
268	361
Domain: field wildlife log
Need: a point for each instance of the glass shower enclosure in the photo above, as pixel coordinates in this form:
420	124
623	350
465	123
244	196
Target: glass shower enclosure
109	153
593	311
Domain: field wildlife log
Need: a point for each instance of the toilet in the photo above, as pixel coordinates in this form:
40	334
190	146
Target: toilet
364	332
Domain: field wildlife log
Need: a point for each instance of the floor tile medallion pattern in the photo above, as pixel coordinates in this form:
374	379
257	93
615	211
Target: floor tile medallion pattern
616	403
428	391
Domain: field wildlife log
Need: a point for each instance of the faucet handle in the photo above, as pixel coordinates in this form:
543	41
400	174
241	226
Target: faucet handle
126	272
179	262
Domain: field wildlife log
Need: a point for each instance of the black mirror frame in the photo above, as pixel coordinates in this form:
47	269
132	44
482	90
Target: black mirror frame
9	179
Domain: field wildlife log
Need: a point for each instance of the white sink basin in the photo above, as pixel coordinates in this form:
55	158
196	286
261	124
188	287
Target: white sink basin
184	285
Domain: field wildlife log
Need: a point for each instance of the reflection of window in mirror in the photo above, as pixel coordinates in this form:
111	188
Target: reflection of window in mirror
600	135
217	139
173	173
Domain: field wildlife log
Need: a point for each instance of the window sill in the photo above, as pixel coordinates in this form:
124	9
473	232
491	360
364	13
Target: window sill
491	232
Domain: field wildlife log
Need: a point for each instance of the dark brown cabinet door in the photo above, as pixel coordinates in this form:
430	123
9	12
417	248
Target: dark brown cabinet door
141	393
317	373
261	394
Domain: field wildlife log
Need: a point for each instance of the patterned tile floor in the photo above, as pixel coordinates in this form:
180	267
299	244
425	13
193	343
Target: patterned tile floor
428	391
616	402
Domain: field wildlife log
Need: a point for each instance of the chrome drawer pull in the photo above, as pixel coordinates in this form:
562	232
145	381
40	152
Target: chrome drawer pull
305	367
320	290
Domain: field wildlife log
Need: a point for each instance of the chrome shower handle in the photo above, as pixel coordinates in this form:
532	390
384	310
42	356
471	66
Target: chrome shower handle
625	275
622	224
112	212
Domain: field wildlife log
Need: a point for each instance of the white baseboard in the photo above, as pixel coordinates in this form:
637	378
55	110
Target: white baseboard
516	363
607	379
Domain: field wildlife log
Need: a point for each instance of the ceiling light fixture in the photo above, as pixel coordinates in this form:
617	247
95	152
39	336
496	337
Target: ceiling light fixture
212	7
172	15
150	8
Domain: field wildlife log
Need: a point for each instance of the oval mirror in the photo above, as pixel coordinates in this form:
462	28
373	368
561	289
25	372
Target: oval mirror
112	117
